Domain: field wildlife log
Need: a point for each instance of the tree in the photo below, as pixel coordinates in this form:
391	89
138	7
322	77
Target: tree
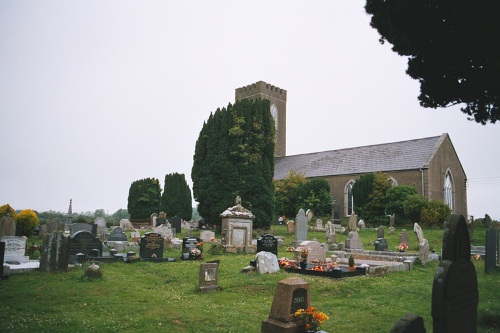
285	193
176	198
361	191
144	198
435	213
315	195
121	214
369	194
7	208
413	207
395	198
234	155
451	48
26	222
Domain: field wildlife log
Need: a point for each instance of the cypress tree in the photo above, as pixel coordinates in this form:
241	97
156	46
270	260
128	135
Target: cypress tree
144	198
176	197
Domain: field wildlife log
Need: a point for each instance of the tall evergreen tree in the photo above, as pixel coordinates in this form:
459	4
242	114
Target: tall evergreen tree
176	197
144	198
234	155
315	195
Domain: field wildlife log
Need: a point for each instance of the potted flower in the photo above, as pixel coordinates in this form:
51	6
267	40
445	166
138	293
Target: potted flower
402	247
303	254
196	252
351	263
311	318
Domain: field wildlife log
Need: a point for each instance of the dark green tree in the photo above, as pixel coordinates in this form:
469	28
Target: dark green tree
144	198
315	195
413	206
286	195
234	155
395	198
435	213
369	194
361	191
176	198
451	47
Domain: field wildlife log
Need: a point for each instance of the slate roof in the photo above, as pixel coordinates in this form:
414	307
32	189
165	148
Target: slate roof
396	156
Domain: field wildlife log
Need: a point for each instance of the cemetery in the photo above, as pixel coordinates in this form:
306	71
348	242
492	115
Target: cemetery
158	277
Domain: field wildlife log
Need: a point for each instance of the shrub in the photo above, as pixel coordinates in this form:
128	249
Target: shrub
413	206
26	221
435	213
3	211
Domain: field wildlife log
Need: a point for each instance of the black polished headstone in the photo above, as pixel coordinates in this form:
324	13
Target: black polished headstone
84	242
176	224
151	245
117	235
267	243
2	255
189	243
490	250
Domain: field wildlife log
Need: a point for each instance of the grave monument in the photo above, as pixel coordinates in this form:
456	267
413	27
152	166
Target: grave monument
237	228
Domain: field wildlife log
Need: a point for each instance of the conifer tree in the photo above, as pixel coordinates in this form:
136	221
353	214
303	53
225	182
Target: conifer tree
176	197
144	198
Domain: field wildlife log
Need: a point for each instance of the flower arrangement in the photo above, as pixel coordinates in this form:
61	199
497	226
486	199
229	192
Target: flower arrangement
402	247
312	318
196	252
303	254
287	263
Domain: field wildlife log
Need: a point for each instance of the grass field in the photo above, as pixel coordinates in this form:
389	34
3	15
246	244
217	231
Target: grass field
164	297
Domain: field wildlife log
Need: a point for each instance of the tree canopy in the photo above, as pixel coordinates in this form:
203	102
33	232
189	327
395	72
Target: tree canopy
234	155
144	198
452	50
285	192
369	193
176	198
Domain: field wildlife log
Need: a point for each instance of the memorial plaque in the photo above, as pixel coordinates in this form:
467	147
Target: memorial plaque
299	300
151	245
239	237
267	243
209	277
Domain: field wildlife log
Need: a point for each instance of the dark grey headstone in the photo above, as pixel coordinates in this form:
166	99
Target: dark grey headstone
267	243
151	245
490	251
83	242
409	323
380	232
381	245
454	291
76	227
2	254
161	220
188	244
55	252
176	224
117	235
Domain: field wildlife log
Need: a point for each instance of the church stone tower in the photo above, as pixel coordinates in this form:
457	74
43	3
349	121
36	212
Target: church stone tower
277	97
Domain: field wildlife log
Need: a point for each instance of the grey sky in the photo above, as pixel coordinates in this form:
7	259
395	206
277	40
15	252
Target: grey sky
97	94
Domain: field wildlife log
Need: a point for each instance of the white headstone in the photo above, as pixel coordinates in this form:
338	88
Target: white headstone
315	250
309	215
301	226
267	262
15	247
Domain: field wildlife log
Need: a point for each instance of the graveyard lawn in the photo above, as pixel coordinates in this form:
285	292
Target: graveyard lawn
165	297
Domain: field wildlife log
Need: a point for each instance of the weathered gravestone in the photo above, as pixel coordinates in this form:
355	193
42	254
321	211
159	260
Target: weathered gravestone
392	220
176	224
404	238
151	246
126	225
85	242
409	323
290	225
361	225
319	224
7	225
331	236
100	221
190	248
2	254
300	228
117	235
209	277
75	227
267	243
266	262
490	250
153	218
207	235
15	248
55	252
454	291
237	228
290	295
380	232
353	219
353	241
424	247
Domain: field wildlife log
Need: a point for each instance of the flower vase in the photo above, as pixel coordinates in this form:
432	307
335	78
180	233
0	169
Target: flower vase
303	264
352	268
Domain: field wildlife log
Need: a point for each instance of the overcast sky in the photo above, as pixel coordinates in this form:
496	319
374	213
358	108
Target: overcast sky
97	94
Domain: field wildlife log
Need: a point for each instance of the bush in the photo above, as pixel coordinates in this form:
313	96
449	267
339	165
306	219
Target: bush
435	213
3	211
27	221
413	207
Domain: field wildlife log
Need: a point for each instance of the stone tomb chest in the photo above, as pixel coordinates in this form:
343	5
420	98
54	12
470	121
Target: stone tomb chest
151	246
237	228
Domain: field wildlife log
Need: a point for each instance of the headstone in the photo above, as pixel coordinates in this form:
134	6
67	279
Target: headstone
84	242
151	246
267	262
331	236
309	215
361	224
353	219
381	244
166	232
424	251
409	323
7	225
153	218
15	247
319	224
316	251
380	232
470	226
392	220
176	224
2	254
300	227
391	231
207	235
117	235
126	225
100	221
290	295
418	231
490	251
191	248
454	291
55	252
209	277
353	241
76	227
161	220
267	243
237	229
404	238
290	224
102	233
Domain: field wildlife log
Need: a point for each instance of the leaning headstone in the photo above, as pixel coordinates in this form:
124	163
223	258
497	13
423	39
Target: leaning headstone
15	248
353	219
290	295
404	238
267	262
409	323
75	227
267	243
454	291
331	236
300	228
176	224
7	225
151	246
55	252
424	251
490	250
209	277
353	241
85	242
418	231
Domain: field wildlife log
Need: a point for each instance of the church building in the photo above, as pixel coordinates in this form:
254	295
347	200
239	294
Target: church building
430	164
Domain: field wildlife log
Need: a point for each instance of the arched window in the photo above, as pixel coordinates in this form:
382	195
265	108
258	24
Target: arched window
448	190
348	198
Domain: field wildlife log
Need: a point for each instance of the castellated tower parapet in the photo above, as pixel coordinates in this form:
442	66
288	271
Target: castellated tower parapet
277	97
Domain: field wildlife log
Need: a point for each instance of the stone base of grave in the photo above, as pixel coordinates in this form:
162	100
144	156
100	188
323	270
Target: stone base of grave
245	249
274	326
